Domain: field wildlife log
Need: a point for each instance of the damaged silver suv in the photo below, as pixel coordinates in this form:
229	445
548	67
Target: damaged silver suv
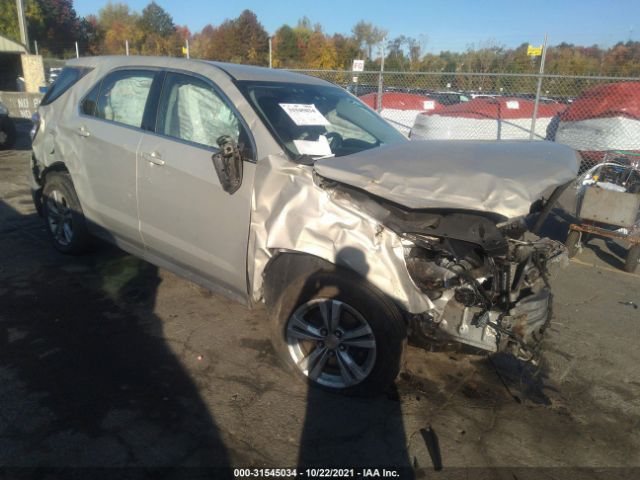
278	188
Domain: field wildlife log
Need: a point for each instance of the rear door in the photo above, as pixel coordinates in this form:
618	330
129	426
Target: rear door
109	131
186	218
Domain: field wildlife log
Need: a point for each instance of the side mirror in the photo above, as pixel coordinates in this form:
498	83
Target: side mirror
228	164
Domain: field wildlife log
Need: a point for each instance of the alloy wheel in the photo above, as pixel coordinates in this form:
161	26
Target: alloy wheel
331	343
59	218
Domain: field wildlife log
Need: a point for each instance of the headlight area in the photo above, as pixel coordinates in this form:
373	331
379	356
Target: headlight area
498	301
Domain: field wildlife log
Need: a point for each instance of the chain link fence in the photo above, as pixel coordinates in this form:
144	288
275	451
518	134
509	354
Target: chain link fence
594	115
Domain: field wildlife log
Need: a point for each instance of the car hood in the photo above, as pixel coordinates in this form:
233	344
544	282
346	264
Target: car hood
499	177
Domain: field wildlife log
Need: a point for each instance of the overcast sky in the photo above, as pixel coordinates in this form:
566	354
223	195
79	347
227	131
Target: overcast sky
440	25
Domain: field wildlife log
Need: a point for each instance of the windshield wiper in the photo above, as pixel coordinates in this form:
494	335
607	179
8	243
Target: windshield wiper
306	159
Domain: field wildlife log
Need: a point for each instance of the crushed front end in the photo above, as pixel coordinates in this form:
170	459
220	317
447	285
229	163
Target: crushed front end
488	284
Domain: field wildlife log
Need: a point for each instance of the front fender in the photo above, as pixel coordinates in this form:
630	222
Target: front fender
290	212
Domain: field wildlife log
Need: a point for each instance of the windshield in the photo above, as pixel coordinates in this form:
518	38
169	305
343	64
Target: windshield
318	120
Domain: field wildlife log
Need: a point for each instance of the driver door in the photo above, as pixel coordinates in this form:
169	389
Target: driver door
187	220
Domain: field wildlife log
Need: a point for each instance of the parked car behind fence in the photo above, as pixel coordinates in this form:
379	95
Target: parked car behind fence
600	113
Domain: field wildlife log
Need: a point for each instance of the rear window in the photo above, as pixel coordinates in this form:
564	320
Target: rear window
68	76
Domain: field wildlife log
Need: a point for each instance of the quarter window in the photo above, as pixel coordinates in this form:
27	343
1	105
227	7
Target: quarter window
67	78
190	109
123	96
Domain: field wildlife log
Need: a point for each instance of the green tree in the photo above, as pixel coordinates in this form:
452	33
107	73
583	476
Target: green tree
287	52
239	40
251	40
347	49
367	35
9	20
320	52
114	12
59	27
202	43
117	24
94	35
156	21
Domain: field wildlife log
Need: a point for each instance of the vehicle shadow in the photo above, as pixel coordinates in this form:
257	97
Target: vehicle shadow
86	373
522	380
348	431
609	251
613	254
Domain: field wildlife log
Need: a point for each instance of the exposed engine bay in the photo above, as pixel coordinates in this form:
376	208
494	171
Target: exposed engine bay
489	300
489	285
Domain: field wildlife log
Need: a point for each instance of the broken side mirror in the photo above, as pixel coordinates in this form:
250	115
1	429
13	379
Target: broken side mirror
228	164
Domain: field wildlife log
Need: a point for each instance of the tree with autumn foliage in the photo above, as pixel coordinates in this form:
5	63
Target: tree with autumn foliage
239	40
320	52
54	24
56	27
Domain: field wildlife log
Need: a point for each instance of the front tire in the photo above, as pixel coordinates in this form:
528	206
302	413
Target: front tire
63	216
340	333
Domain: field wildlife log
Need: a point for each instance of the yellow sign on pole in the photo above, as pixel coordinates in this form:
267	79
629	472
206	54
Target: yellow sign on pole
184	50
534	51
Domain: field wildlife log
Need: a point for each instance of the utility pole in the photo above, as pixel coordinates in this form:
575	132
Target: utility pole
126	47
188	52
22	23
270	53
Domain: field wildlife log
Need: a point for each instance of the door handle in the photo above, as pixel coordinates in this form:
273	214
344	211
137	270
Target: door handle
153	157
83	132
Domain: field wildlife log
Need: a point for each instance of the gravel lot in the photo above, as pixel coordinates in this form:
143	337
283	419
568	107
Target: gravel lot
108	361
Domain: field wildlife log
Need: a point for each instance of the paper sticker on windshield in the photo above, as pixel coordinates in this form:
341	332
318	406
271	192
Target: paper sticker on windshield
304	114
320	148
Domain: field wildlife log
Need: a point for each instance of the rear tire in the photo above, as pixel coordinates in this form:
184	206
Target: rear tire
572	242
633	257
63	216
356	351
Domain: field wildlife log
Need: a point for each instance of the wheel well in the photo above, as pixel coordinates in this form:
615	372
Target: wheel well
40	178
285	267
54	167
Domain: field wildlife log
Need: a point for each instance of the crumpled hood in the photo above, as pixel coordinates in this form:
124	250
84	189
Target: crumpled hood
499	177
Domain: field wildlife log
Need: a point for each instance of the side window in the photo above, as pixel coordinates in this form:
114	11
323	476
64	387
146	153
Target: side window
191	110
88	106
67	78
123	96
